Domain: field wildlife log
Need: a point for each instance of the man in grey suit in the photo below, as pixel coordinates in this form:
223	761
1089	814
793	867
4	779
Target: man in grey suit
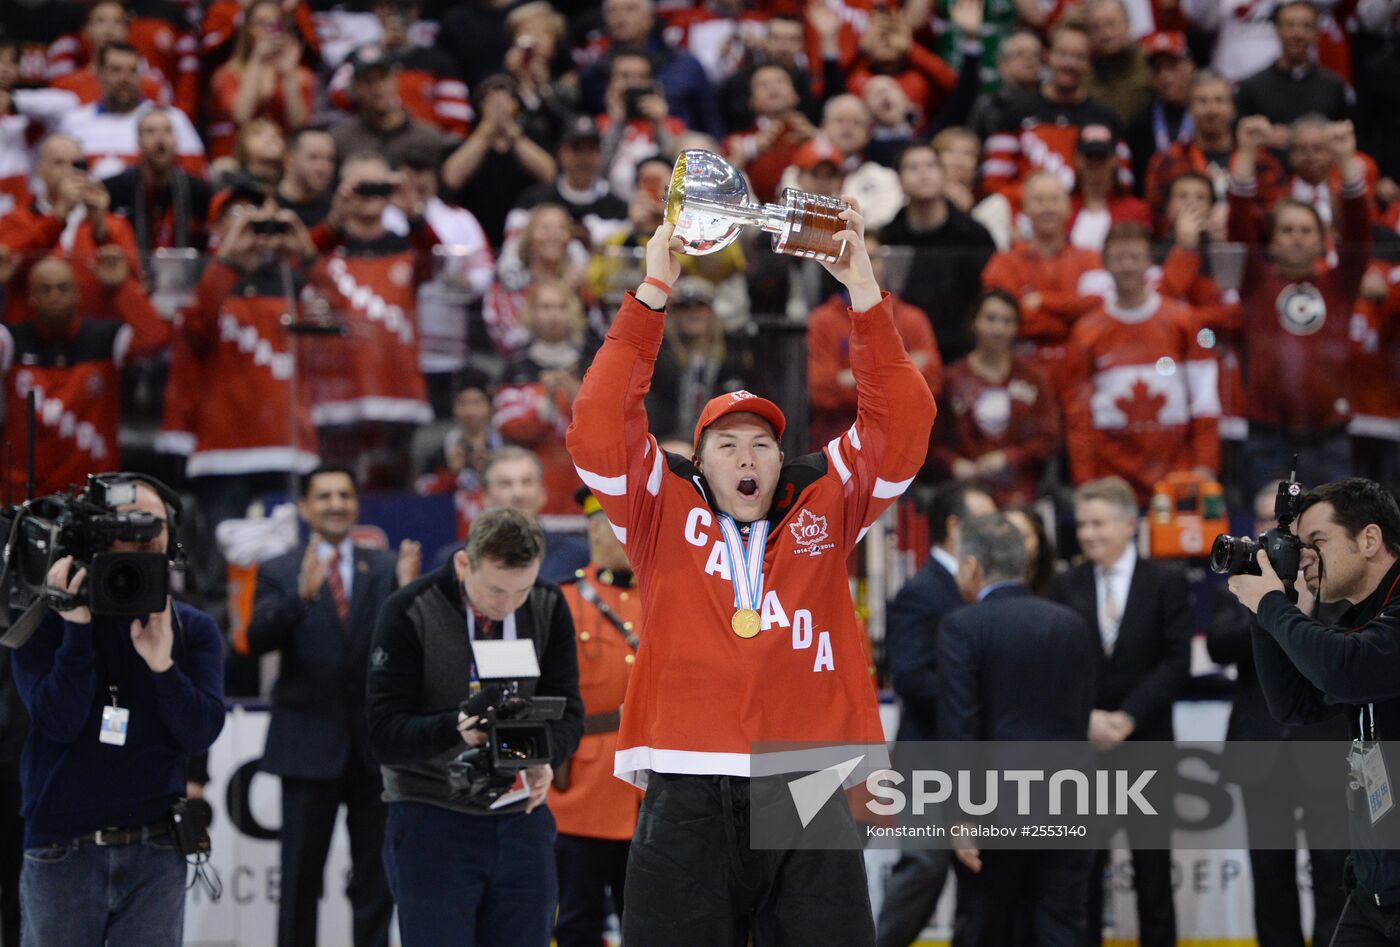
1140	611
1014	667
317	605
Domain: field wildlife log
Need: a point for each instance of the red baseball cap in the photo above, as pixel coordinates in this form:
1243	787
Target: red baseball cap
1165	43
815	152
735	402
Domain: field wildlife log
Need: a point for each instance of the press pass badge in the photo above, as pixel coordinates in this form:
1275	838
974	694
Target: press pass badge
114	721
1376	782
1368	764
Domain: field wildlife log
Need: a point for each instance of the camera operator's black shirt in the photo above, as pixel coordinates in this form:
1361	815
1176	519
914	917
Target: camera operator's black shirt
1312	672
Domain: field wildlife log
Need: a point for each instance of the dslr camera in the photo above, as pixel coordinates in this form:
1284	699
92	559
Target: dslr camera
85	525
514	720
1237	555
632	99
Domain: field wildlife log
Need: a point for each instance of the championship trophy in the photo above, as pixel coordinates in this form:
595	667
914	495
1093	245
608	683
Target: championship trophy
708	202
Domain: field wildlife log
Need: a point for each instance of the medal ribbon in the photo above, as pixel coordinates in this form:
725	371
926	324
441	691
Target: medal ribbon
745	560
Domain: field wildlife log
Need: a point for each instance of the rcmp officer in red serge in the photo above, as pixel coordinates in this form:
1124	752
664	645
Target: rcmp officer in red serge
595	812
750	633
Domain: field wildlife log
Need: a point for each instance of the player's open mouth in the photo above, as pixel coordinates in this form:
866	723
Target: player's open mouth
748	486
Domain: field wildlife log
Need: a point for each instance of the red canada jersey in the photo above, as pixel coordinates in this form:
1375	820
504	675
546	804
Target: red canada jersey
700	696
373	373
32	234
77	383
1017	415
242	355
1298	354
1141	397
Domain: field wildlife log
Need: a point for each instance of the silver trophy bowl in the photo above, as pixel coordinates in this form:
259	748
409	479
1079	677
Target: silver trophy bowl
709	203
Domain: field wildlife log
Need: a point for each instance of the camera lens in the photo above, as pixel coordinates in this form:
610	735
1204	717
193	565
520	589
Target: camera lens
125	583
1220	552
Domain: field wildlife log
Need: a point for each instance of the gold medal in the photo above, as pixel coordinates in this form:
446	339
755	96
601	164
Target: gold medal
745	623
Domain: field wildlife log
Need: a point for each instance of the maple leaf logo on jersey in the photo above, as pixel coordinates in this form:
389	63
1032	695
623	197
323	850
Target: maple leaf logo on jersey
1141	407
811	534
809	529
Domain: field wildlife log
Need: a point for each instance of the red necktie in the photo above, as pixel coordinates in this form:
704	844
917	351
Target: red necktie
337	586
485	628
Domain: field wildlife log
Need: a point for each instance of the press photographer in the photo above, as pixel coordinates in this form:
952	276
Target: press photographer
1350	536
117	703
466	864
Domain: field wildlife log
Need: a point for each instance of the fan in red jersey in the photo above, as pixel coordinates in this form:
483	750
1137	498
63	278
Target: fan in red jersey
370	390
751	633
1141	397
73	365
1298	355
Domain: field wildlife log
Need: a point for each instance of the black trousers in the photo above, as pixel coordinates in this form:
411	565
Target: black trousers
1152	883
692	878
911	895
589	870
11	860
1027	897
1364	924
1277	914
309	810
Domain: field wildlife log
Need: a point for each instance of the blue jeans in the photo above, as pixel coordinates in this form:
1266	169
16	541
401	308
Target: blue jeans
471	880
79	894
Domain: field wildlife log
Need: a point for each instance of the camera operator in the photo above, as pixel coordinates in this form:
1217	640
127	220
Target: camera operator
1350	531
100	861
461	871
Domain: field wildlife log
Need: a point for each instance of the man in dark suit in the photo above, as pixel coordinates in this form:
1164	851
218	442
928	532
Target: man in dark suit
1140	612
1014	667
916	882
1268	801
317	605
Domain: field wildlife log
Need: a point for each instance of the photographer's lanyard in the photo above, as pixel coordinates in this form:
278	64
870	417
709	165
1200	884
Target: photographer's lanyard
1367	766
507	631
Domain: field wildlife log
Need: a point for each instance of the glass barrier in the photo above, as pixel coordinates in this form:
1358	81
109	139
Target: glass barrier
414	370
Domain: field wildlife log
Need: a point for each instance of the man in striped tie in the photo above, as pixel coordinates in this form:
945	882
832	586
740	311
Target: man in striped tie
317	605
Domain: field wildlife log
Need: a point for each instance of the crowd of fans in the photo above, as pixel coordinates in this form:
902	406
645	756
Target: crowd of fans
1127	238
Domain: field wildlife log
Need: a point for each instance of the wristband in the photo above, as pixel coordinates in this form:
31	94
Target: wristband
653	281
